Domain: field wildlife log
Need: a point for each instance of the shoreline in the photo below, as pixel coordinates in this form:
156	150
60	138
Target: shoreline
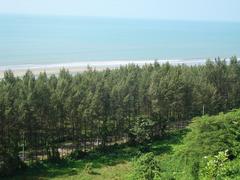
78	67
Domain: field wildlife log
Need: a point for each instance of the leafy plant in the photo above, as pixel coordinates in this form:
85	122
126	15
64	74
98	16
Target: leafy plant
216	166
146	167
142	129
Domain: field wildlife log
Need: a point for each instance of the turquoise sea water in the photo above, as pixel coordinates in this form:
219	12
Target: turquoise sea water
52	40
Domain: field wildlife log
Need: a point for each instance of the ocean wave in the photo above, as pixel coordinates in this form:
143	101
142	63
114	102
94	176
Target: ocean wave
100	64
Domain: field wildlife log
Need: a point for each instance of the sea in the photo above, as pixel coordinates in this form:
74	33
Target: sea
32	41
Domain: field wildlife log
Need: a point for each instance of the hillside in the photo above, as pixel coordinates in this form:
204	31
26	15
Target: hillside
206	137
186	154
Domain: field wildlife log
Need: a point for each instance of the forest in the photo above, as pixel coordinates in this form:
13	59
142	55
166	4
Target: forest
48	117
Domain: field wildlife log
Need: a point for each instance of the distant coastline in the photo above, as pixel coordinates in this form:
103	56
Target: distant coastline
78	67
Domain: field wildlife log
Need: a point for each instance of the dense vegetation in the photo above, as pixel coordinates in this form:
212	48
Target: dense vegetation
40	115
210	150
207	149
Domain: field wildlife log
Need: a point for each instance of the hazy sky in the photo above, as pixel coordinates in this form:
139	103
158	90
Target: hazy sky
220	10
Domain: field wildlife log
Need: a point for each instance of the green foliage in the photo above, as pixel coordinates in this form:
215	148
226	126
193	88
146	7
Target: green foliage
146	167
208	136
44	116
142	129
164	160
221	167
216	166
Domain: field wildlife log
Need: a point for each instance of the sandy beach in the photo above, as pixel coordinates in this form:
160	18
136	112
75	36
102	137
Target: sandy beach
78	67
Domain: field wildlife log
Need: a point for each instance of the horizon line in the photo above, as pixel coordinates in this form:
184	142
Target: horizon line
117	17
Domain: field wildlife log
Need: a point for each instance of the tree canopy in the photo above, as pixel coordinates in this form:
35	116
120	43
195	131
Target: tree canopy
53	115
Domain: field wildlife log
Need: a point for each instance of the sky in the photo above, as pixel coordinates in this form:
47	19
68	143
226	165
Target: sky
210	10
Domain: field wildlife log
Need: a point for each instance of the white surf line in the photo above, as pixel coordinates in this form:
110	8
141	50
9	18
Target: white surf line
102	64
98	64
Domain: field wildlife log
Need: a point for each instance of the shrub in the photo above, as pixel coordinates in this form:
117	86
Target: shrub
208	136
221	167
216	166
141	130
146	167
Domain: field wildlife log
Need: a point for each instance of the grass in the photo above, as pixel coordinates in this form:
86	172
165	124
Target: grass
114	164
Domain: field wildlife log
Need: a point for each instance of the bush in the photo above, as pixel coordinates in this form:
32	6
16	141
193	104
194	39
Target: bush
141	130
212	134
221	167
216	166
146	167
208	136
233	169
